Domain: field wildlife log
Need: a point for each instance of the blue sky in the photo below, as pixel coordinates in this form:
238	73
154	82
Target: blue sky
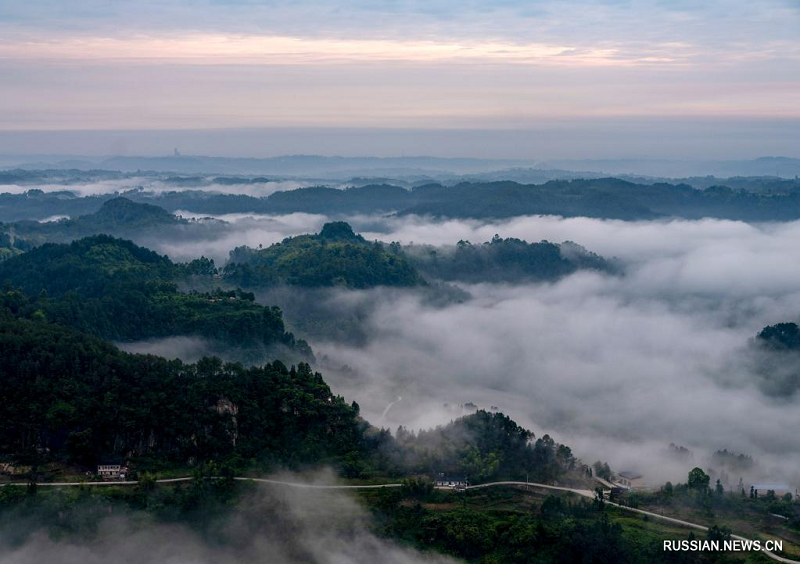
91	64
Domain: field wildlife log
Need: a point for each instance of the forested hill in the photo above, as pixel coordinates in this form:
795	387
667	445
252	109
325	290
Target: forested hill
505	260
601	198
781	336
76	401
334	257
80	400
775	357
114	289
117	216
339	257
613	198
483	446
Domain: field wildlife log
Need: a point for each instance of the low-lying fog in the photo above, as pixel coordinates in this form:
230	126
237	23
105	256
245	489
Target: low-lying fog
271	525
617	367
157	185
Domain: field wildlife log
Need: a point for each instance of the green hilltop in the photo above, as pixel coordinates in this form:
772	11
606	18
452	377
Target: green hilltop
114	289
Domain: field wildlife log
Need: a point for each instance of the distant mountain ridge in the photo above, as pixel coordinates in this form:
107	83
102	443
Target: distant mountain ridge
606	198
339	166
768	199
307	164
116	216
784	167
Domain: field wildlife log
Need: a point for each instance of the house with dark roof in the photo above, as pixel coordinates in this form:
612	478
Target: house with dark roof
112	471
456	482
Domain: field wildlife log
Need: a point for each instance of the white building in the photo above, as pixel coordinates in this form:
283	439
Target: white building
443	481
630	480
112	471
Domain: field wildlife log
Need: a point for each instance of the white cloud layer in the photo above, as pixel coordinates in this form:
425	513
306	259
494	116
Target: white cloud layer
618	367
159	186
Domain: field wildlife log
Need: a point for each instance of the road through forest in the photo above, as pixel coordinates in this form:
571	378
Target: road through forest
584	493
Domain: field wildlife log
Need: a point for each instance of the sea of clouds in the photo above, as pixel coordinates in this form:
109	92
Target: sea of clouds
617	366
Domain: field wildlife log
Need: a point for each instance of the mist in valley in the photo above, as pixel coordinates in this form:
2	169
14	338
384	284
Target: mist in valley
115	183
618	366
323	282
270	524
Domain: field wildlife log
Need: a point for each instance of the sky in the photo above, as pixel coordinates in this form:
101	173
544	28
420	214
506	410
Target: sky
393	65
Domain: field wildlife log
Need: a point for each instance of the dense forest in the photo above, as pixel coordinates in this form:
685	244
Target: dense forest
781	336
747	199
117	290
610	198
602	198
504	260
11	246
36	204
72	398
118	216
775	354
484	447
500	528
75	399
334	257
338	257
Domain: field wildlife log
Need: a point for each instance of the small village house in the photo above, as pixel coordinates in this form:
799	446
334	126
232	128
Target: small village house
112	471
630	480
443	481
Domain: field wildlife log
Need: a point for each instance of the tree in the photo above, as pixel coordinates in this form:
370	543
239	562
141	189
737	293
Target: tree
477	467
602	470
552	506
83	400
783	336
417	486
599	498
334	257
698	480
720	534
146	482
